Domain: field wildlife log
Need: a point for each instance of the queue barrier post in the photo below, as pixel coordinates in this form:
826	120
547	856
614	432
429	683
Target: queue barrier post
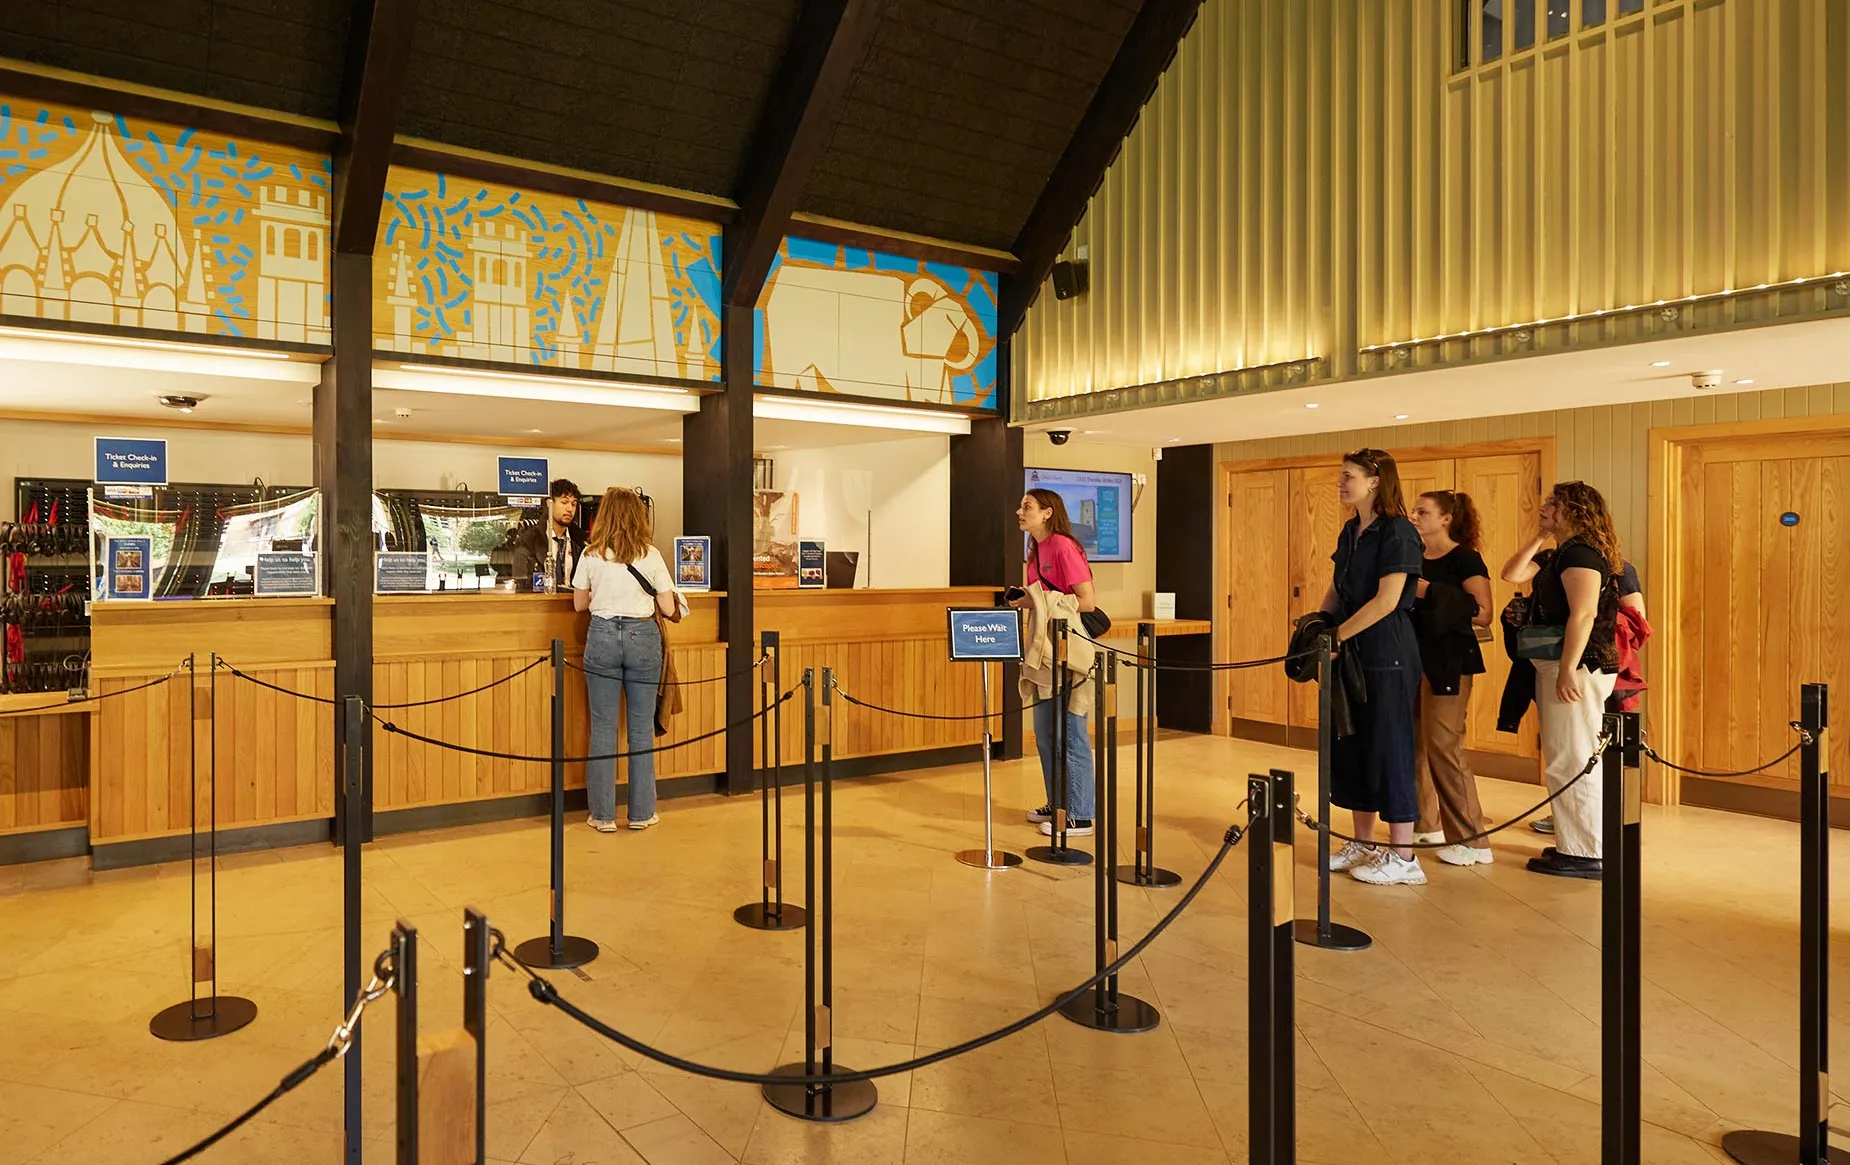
828	1102
213	1015
1321	932
1620	906
1144	871
771	912
1271	910
1812	1146
1059	853
556	950
1105	1008
441	1077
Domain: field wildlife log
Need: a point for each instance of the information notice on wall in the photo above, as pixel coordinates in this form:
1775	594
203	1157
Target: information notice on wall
400	572
985	633
284	573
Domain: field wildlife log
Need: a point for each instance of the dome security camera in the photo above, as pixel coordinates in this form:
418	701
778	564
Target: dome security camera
1059	436
185	404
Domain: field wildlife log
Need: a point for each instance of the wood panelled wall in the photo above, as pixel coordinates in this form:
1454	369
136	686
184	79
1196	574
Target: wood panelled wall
44	771
1313	177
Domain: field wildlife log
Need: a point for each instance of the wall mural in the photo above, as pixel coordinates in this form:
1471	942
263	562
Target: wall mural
113	220
487	272
865	323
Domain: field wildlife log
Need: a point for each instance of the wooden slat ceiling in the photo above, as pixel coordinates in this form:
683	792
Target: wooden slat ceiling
955	119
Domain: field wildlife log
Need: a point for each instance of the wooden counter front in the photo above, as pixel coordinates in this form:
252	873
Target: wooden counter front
887	647
426	646
274	753
44	763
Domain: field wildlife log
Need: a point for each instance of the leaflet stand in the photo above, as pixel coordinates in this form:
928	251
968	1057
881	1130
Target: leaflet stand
986	635
771	912
213	1015
1059	854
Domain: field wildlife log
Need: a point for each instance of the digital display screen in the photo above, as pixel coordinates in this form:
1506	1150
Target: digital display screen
1097	504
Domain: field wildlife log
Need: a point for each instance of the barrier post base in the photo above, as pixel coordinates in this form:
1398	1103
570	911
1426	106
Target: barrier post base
1156	877
988	859
1055	855
1756	1147
573	952
1340	937
1131	1014
829	1103
182	1022
758	916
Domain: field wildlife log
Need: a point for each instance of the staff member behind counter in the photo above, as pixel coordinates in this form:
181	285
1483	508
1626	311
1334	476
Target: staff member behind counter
553	547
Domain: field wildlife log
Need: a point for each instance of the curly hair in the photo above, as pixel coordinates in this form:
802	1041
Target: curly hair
1466	529
1583	511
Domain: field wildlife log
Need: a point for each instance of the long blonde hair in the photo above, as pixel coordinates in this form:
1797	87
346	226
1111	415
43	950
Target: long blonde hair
622	529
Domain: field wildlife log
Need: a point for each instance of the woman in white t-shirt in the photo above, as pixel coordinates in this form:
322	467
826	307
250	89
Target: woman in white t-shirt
623	651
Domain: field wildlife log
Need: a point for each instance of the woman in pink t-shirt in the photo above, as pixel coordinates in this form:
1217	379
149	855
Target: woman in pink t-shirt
1057	561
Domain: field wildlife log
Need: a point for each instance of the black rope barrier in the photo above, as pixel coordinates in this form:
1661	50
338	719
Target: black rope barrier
86	698
1717	774
930	715
547	994
278	688
1150	662
337	1046
576	760
1592	763
721	678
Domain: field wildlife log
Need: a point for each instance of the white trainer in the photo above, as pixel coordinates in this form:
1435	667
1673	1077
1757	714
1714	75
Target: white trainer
602	825
1353	854
1433	838
634	824
1465	855
1390	869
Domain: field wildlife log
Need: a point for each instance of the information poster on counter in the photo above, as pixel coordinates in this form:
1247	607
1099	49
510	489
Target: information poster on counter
985	633
810	564
284	573
400	572
693	563
128	565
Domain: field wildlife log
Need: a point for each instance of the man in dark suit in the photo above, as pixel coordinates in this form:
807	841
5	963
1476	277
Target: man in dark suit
552	547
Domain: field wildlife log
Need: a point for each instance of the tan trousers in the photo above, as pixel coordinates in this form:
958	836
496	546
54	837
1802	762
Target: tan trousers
1447	790
1569	734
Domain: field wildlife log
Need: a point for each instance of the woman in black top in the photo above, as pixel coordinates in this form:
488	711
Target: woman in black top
1454	601
1377	563
1574	591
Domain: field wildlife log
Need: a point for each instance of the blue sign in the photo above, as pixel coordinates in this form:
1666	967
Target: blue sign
128	565
284	573
986	633
401	572
1788	519
523	477
131	461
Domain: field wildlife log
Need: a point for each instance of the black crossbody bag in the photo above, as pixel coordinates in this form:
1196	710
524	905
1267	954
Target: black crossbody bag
1095	621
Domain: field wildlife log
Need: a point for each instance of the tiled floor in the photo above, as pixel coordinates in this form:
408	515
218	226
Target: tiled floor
1469	1033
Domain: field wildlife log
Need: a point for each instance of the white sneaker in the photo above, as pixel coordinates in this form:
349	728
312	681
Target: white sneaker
1390	869
601	825
1464	855
1436	837
1353	854
654	819
1075	827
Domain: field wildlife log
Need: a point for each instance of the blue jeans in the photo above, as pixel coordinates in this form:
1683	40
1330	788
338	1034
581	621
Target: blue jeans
623	657
1079	782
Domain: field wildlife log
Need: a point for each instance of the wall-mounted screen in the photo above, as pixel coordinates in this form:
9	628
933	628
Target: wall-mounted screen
1097	504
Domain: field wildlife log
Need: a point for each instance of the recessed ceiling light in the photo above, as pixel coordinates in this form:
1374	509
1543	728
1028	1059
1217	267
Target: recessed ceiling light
533	430
1173	441
672	440
1313	405
1744	382
1402	416
1090	432
1660	363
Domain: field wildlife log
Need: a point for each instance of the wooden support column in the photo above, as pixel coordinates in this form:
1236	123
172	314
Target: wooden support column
986	486
716	486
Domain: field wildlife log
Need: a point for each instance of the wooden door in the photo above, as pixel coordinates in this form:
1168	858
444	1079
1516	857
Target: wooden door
1507	491
1317	517
1762	606
1258	578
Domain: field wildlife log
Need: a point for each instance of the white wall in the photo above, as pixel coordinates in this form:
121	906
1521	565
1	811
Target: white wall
61	449
905	483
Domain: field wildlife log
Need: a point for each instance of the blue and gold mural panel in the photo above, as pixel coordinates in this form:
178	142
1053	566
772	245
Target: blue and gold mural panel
486	272
118	221
864	323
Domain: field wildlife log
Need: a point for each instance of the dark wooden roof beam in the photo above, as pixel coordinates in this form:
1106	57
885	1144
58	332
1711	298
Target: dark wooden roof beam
806	100
378	53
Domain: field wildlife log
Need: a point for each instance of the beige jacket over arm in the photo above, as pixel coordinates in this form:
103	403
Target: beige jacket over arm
1037	678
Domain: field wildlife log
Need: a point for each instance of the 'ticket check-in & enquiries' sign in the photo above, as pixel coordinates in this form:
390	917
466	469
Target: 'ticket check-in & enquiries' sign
131	461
